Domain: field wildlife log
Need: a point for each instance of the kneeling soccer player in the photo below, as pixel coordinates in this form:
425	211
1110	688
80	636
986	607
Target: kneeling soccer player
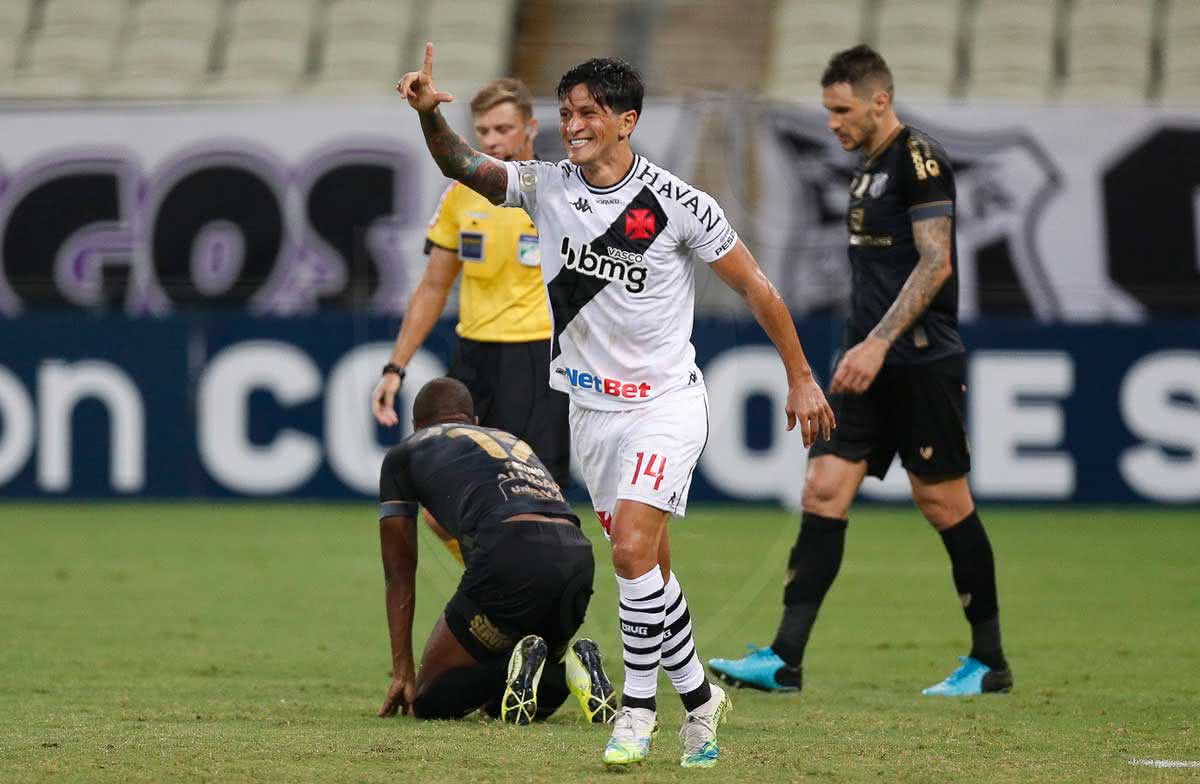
500	642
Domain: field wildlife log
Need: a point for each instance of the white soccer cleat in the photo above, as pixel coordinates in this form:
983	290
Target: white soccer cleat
699	731
633	731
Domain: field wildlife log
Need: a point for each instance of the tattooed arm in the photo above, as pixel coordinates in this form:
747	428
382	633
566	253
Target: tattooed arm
459	161
861	364
932	238
481	173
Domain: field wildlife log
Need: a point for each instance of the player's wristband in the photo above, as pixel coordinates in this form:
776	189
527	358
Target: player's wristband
392	367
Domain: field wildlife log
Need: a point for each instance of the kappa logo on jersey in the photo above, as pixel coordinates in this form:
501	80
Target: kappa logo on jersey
612	265
639	224
582	205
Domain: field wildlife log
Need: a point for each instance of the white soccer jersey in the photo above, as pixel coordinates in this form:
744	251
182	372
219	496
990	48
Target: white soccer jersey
617	263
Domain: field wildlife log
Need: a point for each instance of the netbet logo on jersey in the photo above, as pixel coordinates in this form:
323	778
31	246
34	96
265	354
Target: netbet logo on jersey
613	387
611	264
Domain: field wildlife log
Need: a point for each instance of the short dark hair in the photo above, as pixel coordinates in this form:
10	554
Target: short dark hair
506	90
441	399
612	83
857	66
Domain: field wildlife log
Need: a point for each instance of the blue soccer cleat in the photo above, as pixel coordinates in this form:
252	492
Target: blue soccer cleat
972	677
760	669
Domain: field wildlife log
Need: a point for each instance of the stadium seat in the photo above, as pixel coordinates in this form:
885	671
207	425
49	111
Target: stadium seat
175	19
473	39
1181	77
61	66
1108	49
167	51
271	20
805	34
359	68
1181	56
370	19
94	18
158	67
14	24
267	48
259	68
364	46
1010	49
920	41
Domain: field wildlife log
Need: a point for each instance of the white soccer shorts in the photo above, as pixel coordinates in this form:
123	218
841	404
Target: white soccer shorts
646	454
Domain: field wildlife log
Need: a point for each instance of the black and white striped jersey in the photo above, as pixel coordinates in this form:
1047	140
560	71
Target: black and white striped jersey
617	263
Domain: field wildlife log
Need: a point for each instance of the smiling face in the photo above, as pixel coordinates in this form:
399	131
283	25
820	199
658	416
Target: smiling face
591	132
505	132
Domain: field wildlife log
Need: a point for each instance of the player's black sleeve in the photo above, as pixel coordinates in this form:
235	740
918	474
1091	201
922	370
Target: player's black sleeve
926	180
396	495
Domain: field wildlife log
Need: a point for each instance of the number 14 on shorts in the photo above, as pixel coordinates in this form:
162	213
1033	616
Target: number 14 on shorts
649	471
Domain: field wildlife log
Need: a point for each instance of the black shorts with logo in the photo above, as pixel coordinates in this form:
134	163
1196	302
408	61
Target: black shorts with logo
510	385
524	577
914	410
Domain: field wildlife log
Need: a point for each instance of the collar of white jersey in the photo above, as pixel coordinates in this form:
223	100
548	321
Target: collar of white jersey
615	186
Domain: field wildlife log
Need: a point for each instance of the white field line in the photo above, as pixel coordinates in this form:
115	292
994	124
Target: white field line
1153	763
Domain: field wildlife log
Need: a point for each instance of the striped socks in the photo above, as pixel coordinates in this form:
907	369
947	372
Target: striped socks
679	656
641	610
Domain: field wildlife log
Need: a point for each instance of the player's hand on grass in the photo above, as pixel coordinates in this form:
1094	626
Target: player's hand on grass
400	696
859	366
807	405
383	399
417	86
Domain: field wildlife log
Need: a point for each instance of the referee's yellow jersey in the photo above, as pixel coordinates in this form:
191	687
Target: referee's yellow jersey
502	298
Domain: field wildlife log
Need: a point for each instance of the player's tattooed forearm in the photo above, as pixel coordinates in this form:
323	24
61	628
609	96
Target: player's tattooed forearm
932	238
459	161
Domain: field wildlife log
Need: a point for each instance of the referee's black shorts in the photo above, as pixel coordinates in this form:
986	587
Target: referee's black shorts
914	410
524	577
510	384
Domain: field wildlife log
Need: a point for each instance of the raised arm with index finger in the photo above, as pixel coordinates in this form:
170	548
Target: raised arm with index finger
458	160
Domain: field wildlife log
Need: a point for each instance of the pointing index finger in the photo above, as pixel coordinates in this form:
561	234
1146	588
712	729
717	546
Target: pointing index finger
427	68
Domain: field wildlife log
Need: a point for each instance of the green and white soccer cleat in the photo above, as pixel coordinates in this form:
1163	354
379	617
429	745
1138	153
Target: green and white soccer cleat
519	704
587	681
633	732
699	731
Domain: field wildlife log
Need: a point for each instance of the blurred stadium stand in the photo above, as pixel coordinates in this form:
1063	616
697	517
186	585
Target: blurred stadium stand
1071	51
1012	48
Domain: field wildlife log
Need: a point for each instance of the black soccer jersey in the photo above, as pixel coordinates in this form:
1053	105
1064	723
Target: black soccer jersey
909	180
468	477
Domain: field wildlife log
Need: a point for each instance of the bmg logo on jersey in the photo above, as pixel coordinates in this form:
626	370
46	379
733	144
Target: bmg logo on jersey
614	264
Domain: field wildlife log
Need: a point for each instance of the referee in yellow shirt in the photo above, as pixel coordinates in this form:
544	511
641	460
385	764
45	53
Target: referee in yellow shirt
503	353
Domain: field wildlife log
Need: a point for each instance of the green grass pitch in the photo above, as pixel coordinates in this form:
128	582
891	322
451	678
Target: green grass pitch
247	642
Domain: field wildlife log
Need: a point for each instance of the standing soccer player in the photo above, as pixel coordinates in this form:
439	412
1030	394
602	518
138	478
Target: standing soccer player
617	235
503	326
899	385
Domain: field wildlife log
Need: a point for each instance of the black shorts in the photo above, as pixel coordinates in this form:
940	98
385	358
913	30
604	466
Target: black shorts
510	384
525	577
915	410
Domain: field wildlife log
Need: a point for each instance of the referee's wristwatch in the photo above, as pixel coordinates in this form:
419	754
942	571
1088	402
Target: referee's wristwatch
392	367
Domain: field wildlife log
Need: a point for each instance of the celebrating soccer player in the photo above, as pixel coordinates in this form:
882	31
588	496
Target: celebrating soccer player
898	387
617	234
503	327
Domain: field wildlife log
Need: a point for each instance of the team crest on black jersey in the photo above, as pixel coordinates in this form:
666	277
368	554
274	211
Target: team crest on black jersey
1004	181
